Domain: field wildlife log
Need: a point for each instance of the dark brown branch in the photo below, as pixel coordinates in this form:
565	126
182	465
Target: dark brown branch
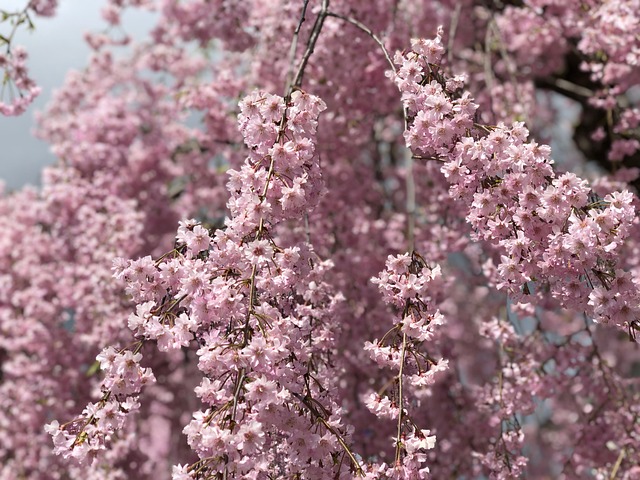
311	45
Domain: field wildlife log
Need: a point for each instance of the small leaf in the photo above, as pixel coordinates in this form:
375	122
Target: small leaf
93	369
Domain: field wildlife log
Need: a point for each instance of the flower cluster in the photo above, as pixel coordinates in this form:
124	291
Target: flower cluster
44	8
200	20
259	311
254	320
546	228
19	90
405	349
83	437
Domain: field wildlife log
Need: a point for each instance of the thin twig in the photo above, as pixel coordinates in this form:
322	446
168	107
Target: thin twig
400	399
452	30
616	467
294	46
433	159
236	394
411	201
368	31
297	82
22	16
315	413
307	229
511	68
344	446
410	181
488	73
311	44
572	87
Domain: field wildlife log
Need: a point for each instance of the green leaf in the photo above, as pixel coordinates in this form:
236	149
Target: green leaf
93	369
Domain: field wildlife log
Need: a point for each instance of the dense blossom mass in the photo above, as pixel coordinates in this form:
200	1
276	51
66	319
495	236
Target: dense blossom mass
328	239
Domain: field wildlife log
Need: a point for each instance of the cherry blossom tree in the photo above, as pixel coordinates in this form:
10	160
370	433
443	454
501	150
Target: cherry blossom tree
328	239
